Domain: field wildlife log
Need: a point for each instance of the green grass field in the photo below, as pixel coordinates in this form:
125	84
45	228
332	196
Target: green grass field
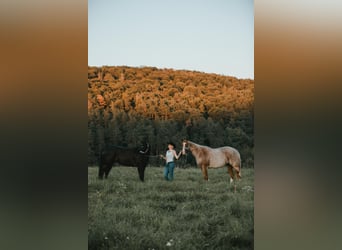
187	213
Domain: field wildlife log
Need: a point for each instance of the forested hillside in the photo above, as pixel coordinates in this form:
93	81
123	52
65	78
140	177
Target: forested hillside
128	106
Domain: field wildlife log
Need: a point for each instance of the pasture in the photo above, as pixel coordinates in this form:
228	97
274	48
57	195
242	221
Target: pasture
187	213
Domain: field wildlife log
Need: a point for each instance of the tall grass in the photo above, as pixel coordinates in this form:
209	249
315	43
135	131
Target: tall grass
187	213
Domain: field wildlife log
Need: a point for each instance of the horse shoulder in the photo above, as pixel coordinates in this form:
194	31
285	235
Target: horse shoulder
205	155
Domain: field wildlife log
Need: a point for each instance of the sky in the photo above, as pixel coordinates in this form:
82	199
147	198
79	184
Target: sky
214	36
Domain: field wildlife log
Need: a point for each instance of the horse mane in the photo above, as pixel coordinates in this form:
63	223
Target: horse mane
197	146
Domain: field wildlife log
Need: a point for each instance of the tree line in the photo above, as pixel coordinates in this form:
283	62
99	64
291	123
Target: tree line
131	105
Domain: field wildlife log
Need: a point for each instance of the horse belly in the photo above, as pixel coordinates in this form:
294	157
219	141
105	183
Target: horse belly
128	161
217	162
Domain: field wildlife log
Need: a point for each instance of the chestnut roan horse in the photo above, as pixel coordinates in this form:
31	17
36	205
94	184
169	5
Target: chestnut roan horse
125	156
207	157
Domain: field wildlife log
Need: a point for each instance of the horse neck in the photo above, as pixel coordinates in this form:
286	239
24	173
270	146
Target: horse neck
196	146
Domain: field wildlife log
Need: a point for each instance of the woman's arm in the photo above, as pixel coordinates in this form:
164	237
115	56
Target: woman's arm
162	156
175	154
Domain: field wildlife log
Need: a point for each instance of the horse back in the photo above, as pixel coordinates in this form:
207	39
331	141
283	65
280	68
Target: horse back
125	156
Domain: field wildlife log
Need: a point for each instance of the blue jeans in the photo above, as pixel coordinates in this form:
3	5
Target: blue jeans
168	171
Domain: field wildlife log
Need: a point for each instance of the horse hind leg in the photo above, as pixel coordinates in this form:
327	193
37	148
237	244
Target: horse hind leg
232	176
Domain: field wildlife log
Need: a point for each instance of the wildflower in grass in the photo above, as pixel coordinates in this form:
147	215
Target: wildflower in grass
169	243
248	189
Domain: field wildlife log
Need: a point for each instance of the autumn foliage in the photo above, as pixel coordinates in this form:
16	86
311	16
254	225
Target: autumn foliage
129	105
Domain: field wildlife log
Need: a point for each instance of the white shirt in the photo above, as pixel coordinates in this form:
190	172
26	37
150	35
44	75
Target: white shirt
169	156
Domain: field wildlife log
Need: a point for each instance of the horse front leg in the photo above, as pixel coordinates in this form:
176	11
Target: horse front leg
205	172
101	172
107	170
141	171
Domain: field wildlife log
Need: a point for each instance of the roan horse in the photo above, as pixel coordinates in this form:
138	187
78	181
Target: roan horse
207	157
125	156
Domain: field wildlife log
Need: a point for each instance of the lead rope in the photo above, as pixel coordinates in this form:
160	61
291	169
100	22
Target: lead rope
142	152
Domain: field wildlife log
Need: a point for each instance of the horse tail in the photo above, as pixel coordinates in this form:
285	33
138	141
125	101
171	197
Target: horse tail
235	162
239	173
101	171
239	164
237	168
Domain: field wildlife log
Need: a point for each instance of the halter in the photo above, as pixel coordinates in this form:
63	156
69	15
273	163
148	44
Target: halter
147	148
183	149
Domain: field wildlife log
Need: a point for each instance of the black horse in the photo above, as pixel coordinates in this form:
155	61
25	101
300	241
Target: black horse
125	156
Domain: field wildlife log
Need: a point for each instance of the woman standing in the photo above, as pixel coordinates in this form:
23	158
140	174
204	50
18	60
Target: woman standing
170	157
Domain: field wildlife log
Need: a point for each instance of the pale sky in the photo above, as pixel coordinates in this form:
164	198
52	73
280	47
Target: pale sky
215	36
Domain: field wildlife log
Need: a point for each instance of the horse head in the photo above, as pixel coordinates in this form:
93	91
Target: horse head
186	146
145	149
